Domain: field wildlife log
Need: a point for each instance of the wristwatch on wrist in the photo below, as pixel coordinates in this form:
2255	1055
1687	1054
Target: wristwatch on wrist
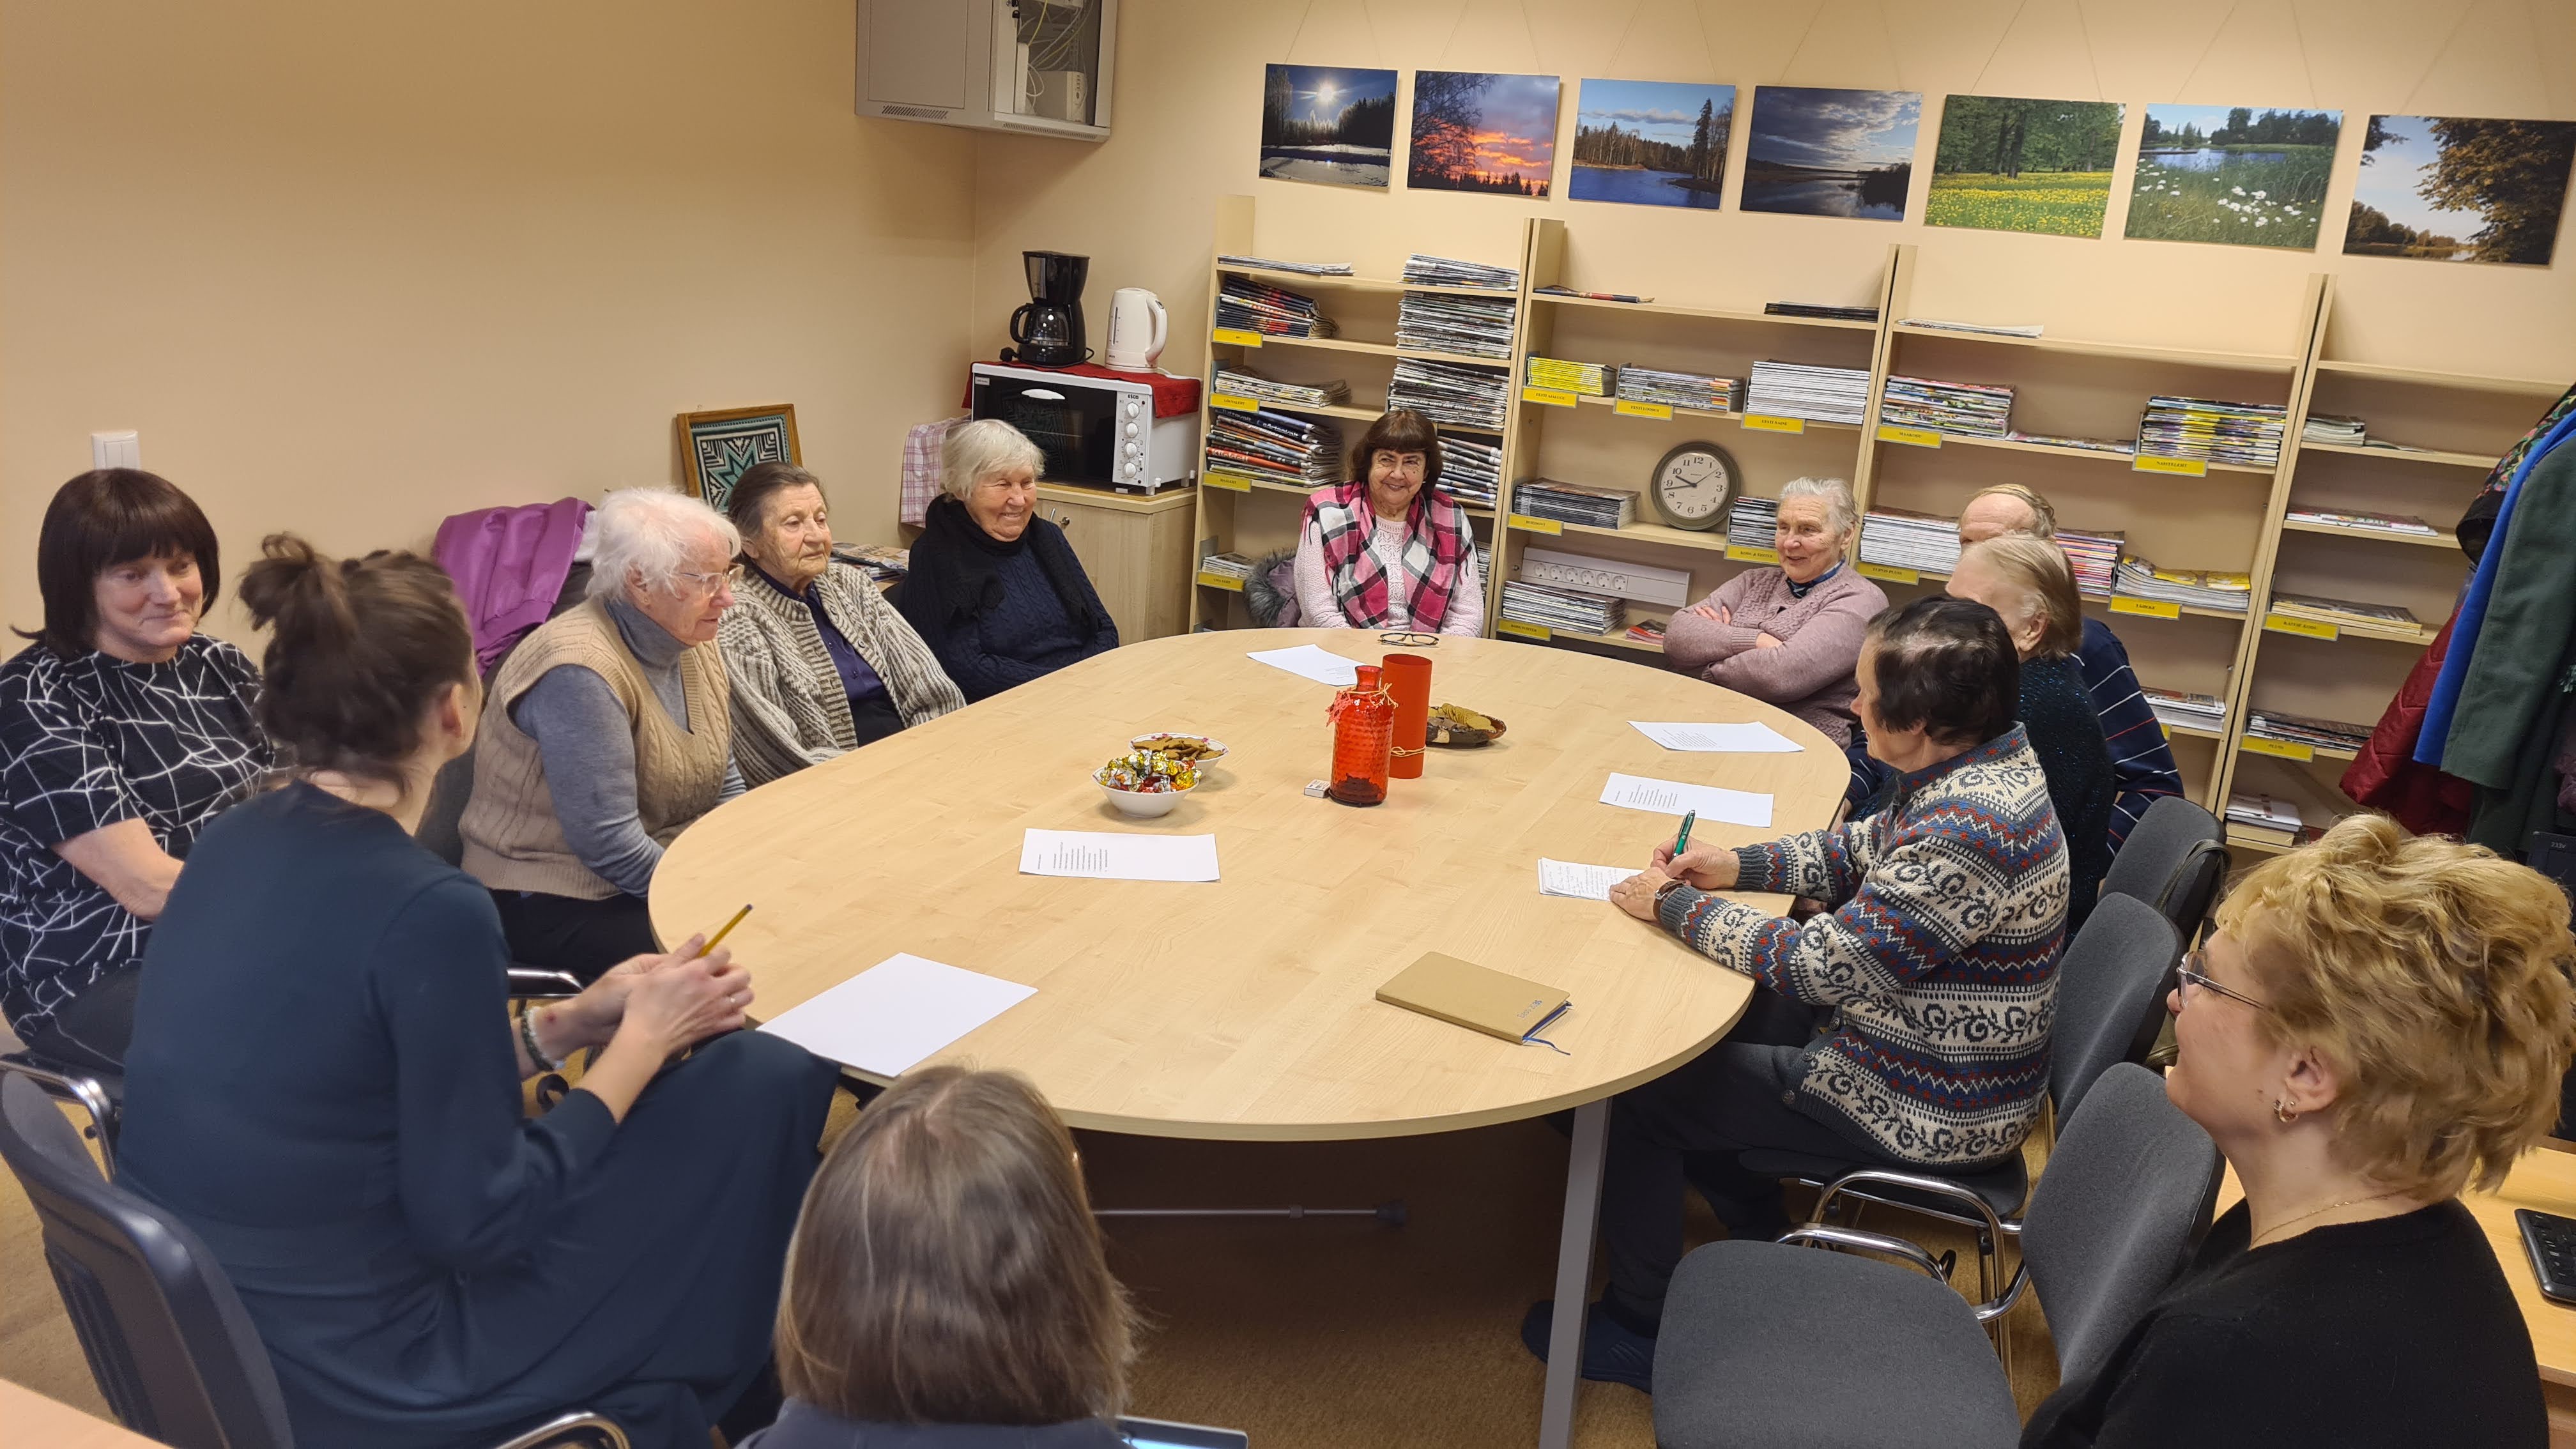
1667	888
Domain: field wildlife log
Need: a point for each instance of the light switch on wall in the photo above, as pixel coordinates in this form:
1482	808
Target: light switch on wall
121	449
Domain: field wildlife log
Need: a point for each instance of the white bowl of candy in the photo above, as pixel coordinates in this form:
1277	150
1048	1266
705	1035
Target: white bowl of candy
1146	784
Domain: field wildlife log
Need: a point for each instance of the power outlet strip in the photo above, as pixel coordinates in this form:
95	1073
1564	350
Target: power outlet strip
1642	583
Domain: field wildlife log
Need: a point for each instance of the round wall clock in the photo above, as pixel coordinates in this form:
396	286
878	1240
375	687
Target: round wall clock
1693	485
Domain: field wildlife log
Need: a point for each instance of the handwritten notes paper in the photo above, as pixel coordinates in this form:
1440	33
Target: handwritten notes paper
1721	739
1584	882
1673	797
897	1013
1106	855
1320	665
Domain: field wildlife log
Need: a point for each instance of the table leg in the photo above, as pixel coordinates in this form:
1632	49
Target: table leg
1573	1274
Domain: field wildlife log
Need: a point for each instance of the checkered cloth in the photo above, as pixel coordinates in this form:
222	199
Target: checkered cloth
921	466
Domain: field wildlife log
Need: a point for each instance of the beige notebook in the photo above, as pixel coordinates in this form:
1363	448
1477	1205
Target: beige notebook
1463	993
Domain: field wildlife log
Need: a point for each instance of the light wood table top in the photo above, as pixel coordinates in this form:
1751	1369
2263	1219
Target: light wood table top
28	1417
1245	1008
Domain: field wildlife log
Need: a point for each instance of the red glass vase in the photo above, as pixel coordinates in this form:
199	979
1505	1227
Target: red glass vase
1363	730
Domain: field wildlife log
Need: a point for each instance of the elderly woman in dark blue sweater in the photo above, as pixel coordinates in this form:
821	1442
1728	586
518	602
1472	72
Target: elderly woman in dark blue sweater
995	590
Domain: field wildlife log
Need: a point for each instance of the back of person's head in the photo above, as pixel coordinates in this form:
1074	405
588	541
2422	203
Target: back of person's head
757	485
103	518
358	651
646	536
2017	509
2035	570
1946	667
2434	977
1399	430
947	1269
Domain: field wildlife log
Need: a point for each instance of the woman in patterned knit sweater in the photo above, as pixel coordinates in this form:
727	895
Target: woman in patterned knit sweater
1907	1024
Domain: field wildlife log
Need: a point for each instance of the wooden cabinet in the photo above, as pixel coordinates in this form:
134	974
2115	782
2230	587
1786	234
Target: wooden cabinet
1137	551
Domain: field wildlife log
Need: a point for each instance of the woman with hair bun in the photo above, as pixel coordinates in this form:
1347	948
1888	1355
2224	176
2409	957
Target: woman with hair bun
325	1083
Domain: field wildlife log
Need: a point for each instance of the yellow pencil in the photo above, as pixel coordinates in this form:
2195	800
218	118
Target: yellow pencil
724	930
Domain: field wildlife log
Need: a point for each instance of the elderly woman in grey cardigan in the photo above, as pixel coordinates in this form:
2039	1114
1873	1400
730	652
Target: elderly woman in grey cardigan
821	663
1789	635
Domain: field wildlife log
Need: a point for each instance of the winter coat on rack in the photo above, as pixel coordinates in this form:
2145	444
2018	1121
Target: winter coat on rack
2386	775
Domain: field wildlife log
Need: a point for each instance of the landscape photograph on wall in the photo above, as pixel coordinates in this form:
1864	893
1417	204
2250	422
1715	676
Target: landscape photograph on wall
1818	152
1327	124
1651	143
2005	164
2232	174
2455	189
1478	131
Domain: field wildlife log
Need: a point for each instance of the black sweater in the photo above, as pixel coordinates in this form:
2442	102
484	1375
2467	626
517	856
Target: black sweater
2066	733
2398	1332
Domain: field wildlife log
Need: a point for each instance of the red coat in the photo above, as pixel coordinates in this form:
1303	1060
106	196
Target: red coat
2386	775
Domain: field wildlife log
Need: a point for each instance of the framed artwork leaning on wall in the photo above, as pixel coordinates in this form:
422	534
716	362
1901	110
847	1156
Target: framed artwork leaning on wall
717	447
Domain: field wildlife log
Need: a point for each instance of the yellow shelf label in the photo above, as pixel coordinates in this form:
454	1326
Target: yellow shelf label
1238	337
1525	631
1886	574
1767	423
1233	404
2180	467
2282	749
1231	482
2304	628
2146	608
1226	582
1747	553
1527	524
1910	437
1626	409
1551	396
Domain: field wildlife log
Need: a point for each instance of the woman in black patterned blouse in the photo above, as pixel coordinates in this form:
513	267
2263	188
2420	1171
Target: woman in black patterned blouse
122	732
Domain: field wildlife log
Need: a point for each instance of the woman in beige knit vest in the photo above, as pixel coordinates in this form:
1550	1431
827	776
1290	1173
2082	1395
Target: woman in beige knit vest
605	734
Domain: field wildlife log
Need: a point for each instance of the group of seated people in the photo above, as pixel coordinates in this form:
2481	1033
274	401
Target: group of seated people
324	1074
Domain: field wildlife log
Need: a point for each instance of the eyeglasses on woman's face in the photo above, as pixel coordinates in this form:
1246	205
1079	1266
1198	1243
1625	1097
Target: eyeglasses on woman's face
2196	978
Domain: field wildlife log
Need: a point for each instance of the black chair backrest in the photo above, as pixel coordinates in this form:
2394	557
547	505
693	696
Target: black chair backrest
2174	860
2123	1204
2110	996
167	1339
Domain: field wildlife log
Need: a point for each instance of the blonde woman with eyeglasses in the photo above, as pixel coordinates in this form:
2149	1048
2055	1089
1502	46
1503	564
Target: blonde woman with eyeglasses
2378	1022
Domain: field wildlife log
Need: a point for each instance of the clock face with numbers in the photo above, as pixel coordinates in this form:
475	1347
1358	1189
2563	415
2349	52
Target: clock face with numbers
1693	485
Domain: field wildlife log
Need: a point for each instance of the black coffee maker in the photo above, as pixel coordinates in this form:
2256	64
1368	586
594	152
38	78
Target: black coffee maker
1048	327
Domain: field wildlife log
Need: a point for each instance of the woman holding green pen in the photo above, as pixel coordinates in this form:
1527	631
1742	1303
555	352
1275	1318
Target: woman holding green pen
325	1084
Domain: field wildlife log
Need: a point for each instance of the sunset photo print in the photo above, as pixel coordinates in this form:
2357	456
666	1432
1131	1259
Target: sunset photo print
1477	131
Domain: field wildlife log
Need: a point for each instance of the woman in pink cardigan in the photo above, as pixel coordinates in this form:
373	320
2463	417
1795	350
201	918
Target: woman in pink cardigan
1791	635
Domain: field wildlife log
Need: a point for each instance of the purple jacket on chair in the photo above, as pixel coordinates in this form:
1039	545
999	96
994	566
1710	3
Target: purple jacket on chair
509	565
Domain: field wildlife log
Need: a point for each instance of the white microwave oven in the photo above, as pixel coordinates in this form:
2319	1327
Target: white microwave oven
1095	431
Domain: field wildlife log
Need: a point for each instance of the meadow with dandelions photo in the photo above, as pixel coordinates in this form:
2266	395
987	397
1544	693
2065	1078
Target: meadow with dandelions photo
2232	175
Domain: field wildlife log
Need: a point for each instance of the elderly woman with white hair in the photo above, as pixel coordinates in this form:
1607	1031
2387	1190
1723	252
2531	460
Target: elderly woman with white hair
994	589
1789	635
605	734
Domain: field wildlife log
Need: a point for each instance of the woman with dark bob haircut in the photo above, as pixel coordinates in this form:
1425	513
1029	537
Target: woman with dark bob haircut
1389	550
325	1084
122	732
946	1286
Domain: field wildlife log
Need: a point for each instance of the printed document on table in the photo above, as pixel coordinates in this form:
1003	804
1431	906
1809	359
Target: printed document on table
897	1013
1103	855
1318	664
1720	739
1672	797
1585	882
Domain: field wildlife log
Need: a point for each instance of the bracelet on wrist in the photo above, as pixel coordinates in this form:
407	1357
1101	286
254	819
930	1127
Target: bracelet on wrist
528	1039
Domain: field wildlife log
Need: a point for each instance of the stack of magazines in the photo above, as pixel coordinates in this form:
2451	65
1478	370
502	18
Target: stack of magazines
1572	610
1901	539
2263	818
2343	612
1818	394
1238	381
1450	272
2177	710
1968	409
1471	473
2199	588
2246	434
1227	566
1244	305
2301	729
2117	447
2096	559
1450	392
1312	269
1753	522
1574	503
1646	631
880	563
2330	428
1445	322
1679	389
1587	379
1274	447
2405	523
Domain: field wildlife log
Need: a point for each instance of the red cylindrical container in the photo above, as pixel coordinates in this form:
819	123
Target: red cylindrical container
1363	728
1408	683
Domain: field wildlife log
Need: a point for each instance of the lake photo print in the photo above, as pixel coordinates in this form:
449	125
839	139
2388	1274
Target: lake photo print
2452	189
1816	152
1328	125
1651	143
2016	165
1477	131
2232	174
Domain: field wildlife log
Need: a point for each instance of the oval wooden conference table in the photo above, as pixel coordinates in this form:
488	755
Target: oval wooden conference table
1244	1008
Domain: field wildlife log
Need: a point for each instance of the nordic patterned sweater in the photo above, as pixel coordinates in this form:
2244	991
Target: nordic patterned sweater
1938	955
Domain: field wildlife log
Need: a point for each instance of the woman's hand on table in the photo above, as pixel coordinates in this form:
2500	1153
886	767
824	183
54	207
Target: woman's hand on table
1703	867
1636	894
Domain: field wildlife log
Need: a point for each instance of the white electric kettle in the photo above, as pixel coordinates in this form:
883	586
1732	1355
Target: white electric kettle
1138	328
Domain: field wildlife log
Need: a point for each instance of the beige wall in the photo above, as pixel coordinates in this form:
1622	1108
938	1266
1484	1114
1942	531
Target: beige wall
353	267
1188	123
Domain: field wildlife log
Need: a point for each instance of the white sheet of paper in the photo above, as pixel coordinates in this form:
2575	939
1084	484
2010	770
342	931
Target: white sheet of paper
1313	662
1721	739
1105	855
890	1017
1672	797
1586	882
